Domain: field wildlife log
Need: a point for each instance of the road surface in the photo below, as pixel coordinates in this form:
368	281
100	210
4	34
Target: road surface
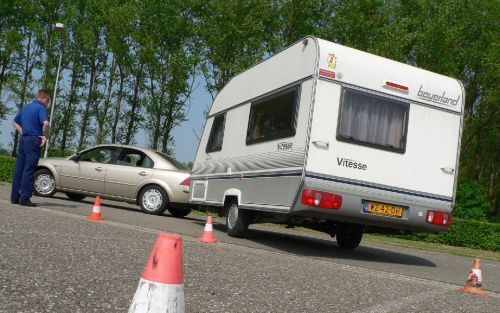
53	260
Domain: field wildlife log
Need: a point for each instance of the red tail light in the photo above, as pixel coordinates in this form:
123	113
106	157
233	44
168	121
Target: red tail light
321	199
186	181
440	218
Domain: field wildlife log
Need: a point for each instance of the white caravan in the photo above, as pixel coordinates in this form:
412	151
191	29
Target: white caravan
334	139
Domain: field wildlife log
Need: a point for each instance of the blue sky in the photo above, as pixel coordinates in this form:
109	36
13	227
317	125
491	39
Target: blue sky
186	142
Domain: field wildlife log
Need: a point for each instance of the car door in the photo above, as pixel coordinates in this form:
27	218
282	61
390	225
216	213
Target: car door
130	170
88	170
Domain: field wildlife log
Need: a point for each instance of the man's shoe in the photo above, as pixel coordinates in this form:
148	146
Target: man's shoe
14	202
29	203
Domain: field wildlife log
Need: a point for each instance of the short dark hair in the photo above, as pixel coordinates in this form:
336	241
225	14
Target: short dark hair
42	93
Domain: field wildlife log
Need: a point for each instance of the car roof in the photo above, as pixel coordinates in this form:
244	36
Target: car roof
160	161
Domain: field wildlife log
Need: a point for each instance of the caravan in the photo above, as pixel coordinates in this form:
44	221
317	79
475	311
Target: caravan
334	139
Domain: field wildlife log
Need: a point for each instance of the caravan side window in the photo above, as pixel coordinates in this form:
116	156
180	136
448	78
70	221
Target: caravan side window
273	117
216	134
373	120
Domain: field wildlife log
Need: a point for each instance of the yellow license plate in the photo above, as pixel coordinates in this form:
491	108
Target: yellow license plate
383	209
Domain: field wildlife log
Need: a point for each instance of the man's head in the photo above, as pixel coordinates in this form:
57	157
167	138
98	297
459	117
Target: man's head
43	96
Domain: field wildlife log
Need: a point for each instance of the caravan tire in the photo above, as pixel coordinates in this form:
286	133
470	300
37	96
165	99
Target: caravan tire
349	236
237	220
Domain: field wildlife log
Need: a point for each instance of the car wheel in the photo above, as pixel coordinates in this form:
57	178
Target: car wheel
178	212
153	200
45	184
237	220
75	196
348	236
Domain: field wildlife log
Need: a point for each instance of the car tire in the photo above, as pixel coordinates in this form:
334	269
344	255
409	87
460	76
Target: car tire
153	200
44	183
178	212
348	236
75	196
237	220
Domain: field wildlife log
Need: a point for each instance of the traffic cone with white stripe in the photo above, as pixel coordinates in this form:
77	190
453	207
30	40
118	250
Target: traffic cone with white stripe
96	211
161	288
208	233
474	282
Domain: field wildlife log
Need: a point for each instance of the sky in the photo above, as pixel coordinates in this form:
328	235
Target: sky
186	142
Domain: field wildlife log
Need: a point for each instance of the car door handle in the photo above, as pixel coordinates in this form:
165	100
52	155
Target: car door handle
143	173
99	169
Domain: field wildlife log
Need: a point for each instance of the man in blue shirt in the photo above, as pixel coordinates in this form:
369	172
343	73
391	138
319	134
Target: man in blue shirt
32	123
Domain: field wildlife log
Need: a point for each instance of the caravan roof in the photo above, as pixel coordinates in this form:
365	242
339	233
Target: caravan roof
313	56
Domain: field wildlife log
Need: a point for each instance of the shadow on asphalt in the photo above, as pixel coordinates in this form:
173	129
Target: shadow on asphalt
308	246
298	244
106	203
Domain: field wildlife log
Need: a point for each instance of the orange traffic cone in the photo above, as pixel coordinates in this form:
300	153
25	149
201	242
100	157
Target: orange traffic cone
161	288
474	282
208	233
96	211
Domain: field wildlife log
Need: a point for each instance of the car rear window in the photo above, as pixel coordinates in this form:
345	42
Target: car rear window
173	161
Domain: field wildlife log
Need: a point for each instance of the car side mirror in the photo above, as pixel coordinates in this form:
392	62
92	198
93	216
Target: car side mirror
76	157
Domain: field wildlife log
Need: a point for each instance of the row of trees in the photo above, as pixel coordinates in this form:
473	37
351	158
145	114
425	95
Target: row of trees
130	65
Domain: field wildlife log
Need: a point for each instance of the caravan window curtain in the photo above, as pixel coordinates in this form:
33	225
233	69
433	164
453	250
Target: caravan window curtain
373	120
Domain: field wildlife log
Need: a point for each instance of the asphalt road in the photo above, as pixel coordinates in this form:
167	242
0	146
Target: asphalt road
53	260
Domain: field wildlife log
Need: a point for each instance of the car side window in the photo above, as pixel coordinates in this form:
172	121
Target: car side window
131	157
146	162
136	158
98	155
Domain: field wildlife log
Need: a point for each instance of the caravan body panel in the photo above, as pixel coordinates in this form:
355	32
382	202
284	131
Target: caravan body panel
418	175
257	167
366	128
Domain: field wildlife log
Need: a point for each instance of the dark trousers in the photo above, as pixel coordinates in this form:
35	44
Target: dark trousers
28	154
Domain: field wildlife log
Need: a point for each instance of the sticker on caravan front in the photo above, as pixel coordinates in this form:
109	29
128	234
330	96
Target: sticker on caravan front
332	61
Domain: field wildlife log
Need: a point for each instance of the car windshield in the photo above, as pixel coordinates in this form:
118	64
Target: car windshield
174	162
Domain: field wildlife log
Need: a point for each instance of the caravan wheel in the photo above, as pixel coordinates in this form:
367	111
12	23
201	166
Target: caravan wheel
349	236
236	220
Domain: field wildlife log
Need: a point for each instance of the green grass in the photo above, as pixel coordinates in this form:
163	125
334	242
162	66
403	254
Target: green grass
430	246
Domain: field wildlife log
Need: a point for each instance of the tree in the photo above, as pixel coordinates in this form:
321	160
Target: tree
168	51
234	35
10	42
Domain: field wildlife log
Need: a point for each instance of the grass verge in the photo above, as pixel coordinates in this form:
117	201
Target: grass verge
430	246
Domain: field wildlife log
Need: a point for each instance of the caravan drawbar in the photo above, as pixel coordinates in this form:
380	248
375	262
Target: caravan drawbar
331	138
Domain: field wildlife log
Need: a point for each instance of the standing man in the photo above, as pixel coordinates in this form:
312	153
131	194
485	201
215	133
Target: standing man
32	123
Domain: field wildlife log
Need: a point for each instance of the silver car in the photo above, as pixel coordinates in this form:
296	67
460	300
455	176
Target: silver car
151	179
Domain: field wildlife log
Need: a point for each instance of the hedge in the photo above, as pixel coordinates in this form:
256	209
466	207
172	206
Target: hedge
7	164
7	168
464	233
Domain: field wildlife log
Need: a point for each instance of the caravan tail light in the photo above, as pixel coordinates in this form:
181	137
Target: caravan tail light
186	181
321	199
440	218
